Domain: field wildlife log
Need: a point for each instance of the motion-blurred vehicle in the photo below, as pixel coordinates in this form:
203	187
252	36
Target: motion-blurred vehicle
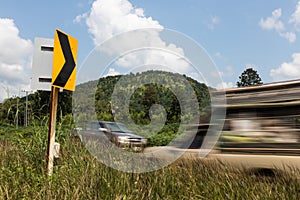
120	135
262	127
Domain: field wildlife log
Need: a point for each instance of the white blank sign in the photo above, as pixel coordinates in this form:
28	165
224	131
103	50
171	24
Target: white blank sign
42	64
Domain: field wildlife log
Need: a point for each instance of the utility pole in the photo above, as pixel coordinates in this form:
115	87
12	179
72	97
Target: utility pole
17	120
26	107
17	111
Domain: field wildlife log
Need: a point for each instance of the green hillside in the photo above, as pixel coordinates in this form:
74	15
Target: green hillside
140	92
146	89
145	95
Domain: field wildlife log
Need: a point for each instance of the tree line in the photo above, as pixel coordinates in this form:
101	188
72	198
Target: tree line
12	110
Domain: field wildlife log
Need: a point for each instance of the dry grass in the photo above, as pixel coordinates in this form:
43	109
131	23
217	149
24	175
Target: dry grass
80	176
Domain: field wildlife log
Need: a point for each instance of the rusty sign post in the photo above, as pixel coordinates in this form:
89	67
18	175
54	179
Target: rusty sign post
63	76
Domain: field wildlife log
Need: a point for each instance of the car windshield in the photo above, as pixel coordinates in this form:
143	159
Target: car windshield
117	127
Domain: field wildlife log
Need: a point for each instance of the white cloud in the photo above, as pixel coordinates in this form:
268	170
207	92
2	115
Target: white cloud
274	23
295	18
107	19
15	58
112	72
287	70
79	18
290	36
147	59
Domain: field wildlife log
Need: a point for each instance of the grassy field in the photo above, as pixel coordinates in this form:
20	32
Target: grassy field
77	175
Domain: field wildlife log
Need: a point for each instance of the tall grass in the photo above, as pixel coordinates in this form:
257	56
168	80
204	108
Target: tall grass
78	175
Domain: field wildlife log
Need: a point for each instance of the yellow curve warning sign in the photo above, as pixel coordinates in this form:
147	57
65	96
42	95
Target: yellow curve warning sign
64	61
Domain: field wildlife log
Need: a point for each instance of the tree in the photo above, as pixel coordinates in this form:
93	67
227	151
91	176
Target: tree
249	77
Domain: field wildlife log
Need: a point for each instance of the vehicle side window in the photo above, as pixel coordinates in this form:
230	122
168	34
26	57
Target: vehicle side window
105	125
101	125
95	126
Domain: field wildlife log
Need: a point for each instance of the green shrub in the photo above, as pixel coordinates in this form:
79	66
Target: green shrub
161	139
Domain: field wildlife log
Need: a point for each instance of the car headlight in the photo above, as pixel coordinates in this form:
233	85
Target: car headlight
144	141
122	139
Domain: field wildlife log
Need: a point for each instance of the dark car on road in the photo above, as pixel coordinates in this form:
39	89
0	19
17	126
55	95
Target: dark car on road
120	135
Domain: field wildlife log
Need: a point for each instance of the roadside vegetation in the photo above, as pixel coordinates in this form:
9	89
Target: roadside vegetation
98	94
78	175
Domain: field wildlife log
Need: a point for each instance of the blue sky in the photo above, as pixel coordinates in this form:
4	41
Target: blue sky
236	34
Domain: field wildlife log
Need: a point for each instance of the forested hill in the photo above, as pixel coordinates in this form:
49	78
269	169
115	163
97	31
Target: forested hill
156	91
100	92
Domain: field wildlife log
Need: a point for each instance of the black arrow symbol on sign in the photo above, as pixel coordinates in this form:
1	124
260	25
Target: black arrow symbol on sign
69	65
